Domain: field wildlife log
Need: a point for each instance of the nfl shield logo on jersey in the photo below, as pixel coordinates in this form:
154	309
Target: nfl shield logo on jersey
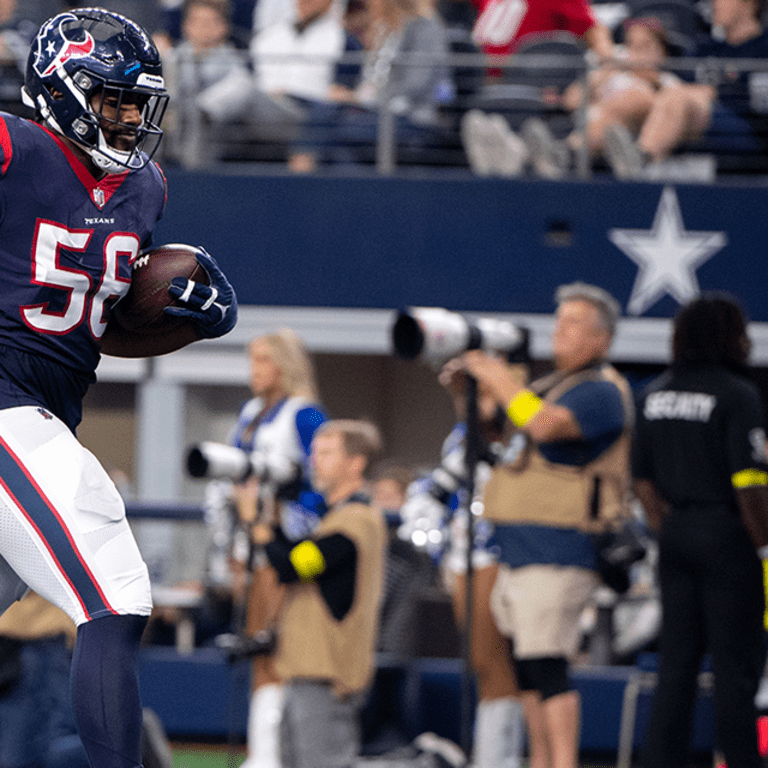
98	197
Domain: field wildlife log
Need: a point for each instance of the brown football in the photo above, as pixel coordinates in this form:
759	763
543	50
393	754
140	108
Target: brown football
141	309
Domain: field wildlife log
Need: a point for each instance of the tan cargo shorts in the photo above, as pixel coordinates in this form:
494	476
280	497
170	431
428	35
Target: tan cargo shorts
539	607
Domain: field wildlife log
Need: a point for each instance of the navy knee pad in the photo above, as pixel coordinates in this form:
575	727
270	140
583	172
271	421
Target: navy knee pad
547	675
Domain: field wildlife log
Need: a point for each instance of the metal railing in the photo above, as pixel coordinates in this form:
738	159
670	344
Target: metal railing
193	140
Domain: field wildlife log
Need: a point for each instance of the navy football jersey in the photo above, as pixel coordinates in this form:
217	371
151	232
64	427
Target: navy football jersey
67	243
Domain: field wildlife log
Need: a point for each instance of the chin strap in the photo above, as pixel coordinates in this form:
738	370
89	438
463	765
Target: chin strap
103	159
26	99
106	164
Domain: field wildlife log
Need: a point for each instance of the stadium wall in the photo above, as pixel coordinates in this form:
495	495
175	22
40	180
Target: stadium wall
334	258
487	245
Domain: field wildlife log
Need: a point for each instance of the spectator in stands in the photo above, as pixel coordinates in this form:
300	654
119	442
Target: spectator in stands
491	146
298	56
333	583
405	71
689	111
242	20
356	18
297	60
501	25
207	78
16	35
37	723
621	92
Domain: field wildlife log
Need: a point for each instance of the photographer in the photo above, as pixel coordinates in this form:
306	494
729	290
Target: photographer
275	428
565	471
329	620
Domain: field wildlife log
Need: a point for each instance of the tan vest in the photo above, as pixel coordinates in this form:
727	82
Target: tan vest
534	490
312	643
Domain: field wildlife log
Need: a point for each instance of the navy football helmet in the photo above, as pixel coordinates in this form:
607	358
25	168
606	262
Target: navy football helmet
83	57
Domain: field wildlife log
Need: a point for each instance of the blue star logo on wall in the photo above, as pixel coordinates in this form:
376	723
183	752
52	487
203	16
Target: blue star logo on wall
667	255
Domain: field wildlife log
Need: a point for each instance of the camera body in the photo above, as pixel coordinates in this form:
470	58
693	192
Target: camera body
243	648
225	462
435	335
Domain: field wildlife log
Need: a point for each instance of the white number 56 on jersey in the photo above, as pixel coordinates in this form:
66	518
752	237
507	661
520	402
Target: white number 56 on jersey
85	300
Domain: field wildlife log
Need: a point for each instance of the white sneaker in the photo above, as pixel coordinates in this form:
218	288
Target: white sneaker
550	158
492	148
474	138
508	152
447	753
622	153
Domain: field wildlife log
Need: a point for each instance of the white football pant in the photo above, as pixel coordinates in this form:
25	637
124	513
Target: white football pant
64	530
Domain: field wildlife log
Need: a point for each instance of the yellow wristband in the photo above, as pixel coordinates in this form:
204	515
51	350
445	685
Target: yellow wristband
765	589
523	407
307	560
748	478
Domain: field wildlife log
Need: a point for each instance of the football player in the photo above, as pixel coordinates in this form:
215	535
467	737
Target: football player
79	198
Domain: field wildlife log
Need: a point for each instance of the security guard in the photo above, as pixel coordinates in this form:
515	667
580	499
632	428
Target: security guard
699	463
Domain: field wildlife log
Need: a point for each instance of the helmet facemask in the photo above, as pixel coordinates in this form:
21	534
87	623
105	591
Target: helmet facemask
116	146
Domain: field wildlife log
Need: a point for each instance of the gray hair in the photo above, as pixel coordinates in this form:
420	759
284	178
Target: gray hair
608	308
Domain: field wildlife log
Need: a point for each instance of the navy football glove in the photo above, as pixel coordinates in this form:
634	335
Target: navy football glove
212	309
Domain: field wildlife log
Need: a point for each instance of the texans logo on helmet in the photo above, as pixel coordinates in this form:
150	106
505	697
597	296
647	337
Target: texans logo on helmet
54	38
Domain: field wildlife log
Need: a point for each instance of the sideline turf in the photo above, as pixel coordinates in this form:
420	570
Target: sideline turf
204	756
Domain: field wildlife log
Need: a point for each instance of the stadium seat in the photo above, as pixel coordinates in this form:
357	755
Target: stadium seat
542	65
553	59
681	19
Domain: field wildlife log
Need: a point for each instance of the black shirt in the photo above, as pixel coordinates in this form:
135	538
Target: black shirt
697	426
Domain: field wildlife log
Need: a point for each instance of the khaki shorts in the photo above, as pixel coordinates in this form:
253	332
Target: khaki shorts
539	607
